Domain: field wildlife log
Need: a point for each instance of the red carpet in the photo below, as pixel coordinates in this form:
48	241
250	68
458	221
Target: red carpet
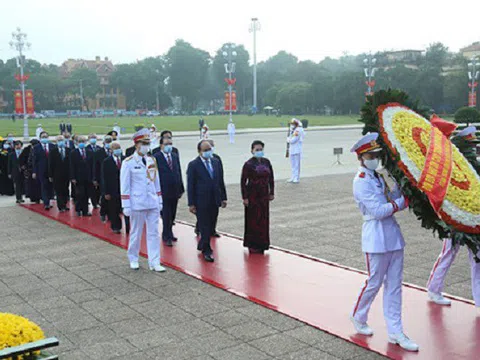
313	291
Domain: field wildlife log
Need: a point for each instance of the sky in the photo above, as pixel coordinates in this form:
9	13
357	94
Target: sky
311	30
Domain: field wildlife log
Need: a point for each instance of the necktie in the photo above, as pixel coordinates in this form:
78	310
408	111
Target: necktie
62	151
119	163
83	154
210	168
169	162
144	161
46	150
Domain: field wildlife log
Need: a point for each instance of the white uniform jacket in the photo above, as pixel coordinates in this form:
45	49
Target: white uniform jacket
139	183
296	141
231	128
380	232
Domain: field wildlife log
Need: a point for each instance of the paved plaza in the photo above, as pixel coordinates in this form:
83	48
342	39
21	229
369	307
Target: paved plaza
80	289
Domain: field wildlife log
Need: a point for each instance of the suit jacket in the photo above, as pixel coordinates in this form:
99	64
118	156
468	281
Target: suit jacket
14	165
69	128
40	161
110	178
98	157
81	169
58	168
203	190
219	160
171	180
129	152
62	127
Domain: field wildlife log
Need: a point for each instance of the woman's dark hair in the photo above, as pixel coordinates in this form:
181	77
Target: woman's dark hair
257	142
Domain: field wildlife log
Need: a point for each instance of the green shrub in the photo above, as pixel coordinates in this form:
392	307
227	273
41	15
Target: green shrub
467	115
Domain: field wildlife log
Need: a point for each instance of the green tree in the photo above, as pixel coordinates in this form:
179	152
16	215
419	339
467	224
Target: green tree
467	115
187	69
84	82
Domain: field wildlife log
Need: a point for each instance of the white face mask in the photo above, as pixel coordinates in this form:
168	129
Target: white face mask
144	149
371	164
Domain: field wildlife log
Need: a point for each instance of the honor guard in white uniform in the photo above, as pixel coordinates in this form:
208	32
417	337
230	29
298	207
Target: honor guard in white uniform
205	133
142	201
295	139
436	281
231	132
382	244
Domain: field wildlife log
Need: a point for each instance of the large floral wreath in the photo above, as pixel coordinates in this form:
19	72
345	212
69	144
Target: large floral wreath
409	140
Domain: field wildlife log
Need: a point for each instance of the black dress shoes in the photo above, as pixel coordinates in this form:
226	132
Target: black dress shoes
175	238
208	258
168	243
216	235
79	214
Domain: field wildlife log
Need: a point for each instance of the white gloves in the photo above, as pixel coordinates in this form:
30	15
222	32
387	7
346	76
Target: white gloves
160	204
127	211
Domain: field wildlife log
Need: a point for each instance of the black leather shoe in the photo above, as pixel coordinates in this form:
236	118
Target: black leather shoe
175	239
103	218
168	243
216	235
79	213
87	214
117	231
208	258
48	207
67	209
197	232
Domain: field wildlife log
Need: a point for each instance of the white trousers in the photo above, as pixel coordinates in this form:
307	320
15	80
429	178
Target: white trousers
386	268
137	222
440	269
232	138
295	164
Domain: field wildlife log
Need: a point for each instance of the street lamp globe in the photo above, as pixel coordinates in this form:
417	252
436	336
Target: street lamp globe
225	54
234	53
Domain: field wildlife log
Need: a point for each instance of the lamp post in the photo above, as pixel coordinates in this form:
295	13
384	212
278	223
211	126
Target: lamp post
19	44
254	27
156	90
229	54
473	74
369	69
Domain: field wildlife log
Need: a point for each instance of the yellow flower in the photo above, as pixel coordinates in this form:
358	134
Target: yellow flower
16	330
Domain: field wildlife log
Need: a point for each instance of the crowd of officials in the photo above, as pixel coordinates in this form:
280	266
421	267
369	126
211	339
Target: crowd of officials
76	170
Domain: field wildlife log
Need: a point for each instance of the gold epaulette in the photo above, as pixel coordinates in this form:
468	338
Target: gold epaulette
129	158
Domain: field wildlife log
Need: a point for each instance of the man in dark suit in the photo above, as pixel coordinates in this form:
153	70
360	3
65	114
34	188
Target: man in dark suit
15	171
69	128
62	127
69	144
94	187
81	168
214	230
40	154
59	172
110	181
171	184
98	158
206	194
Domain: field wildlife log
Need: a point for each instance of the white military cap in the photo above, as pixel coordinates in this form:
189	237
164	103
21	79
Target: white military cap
296	121
468	133
142	134
367	143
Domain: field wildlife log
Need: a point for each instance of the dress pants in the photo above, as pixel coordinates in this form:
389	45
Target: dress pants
61	189
47	191
138	219
94	194
206	220
114	206
19	183
232	138
81	197
168	211
295	164
386	268
103	206
442	265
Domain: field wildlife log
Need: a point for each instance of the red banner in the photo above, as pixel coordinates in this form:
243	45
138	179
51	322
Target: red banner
472	99
233	102
29	101
436	174
18	102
